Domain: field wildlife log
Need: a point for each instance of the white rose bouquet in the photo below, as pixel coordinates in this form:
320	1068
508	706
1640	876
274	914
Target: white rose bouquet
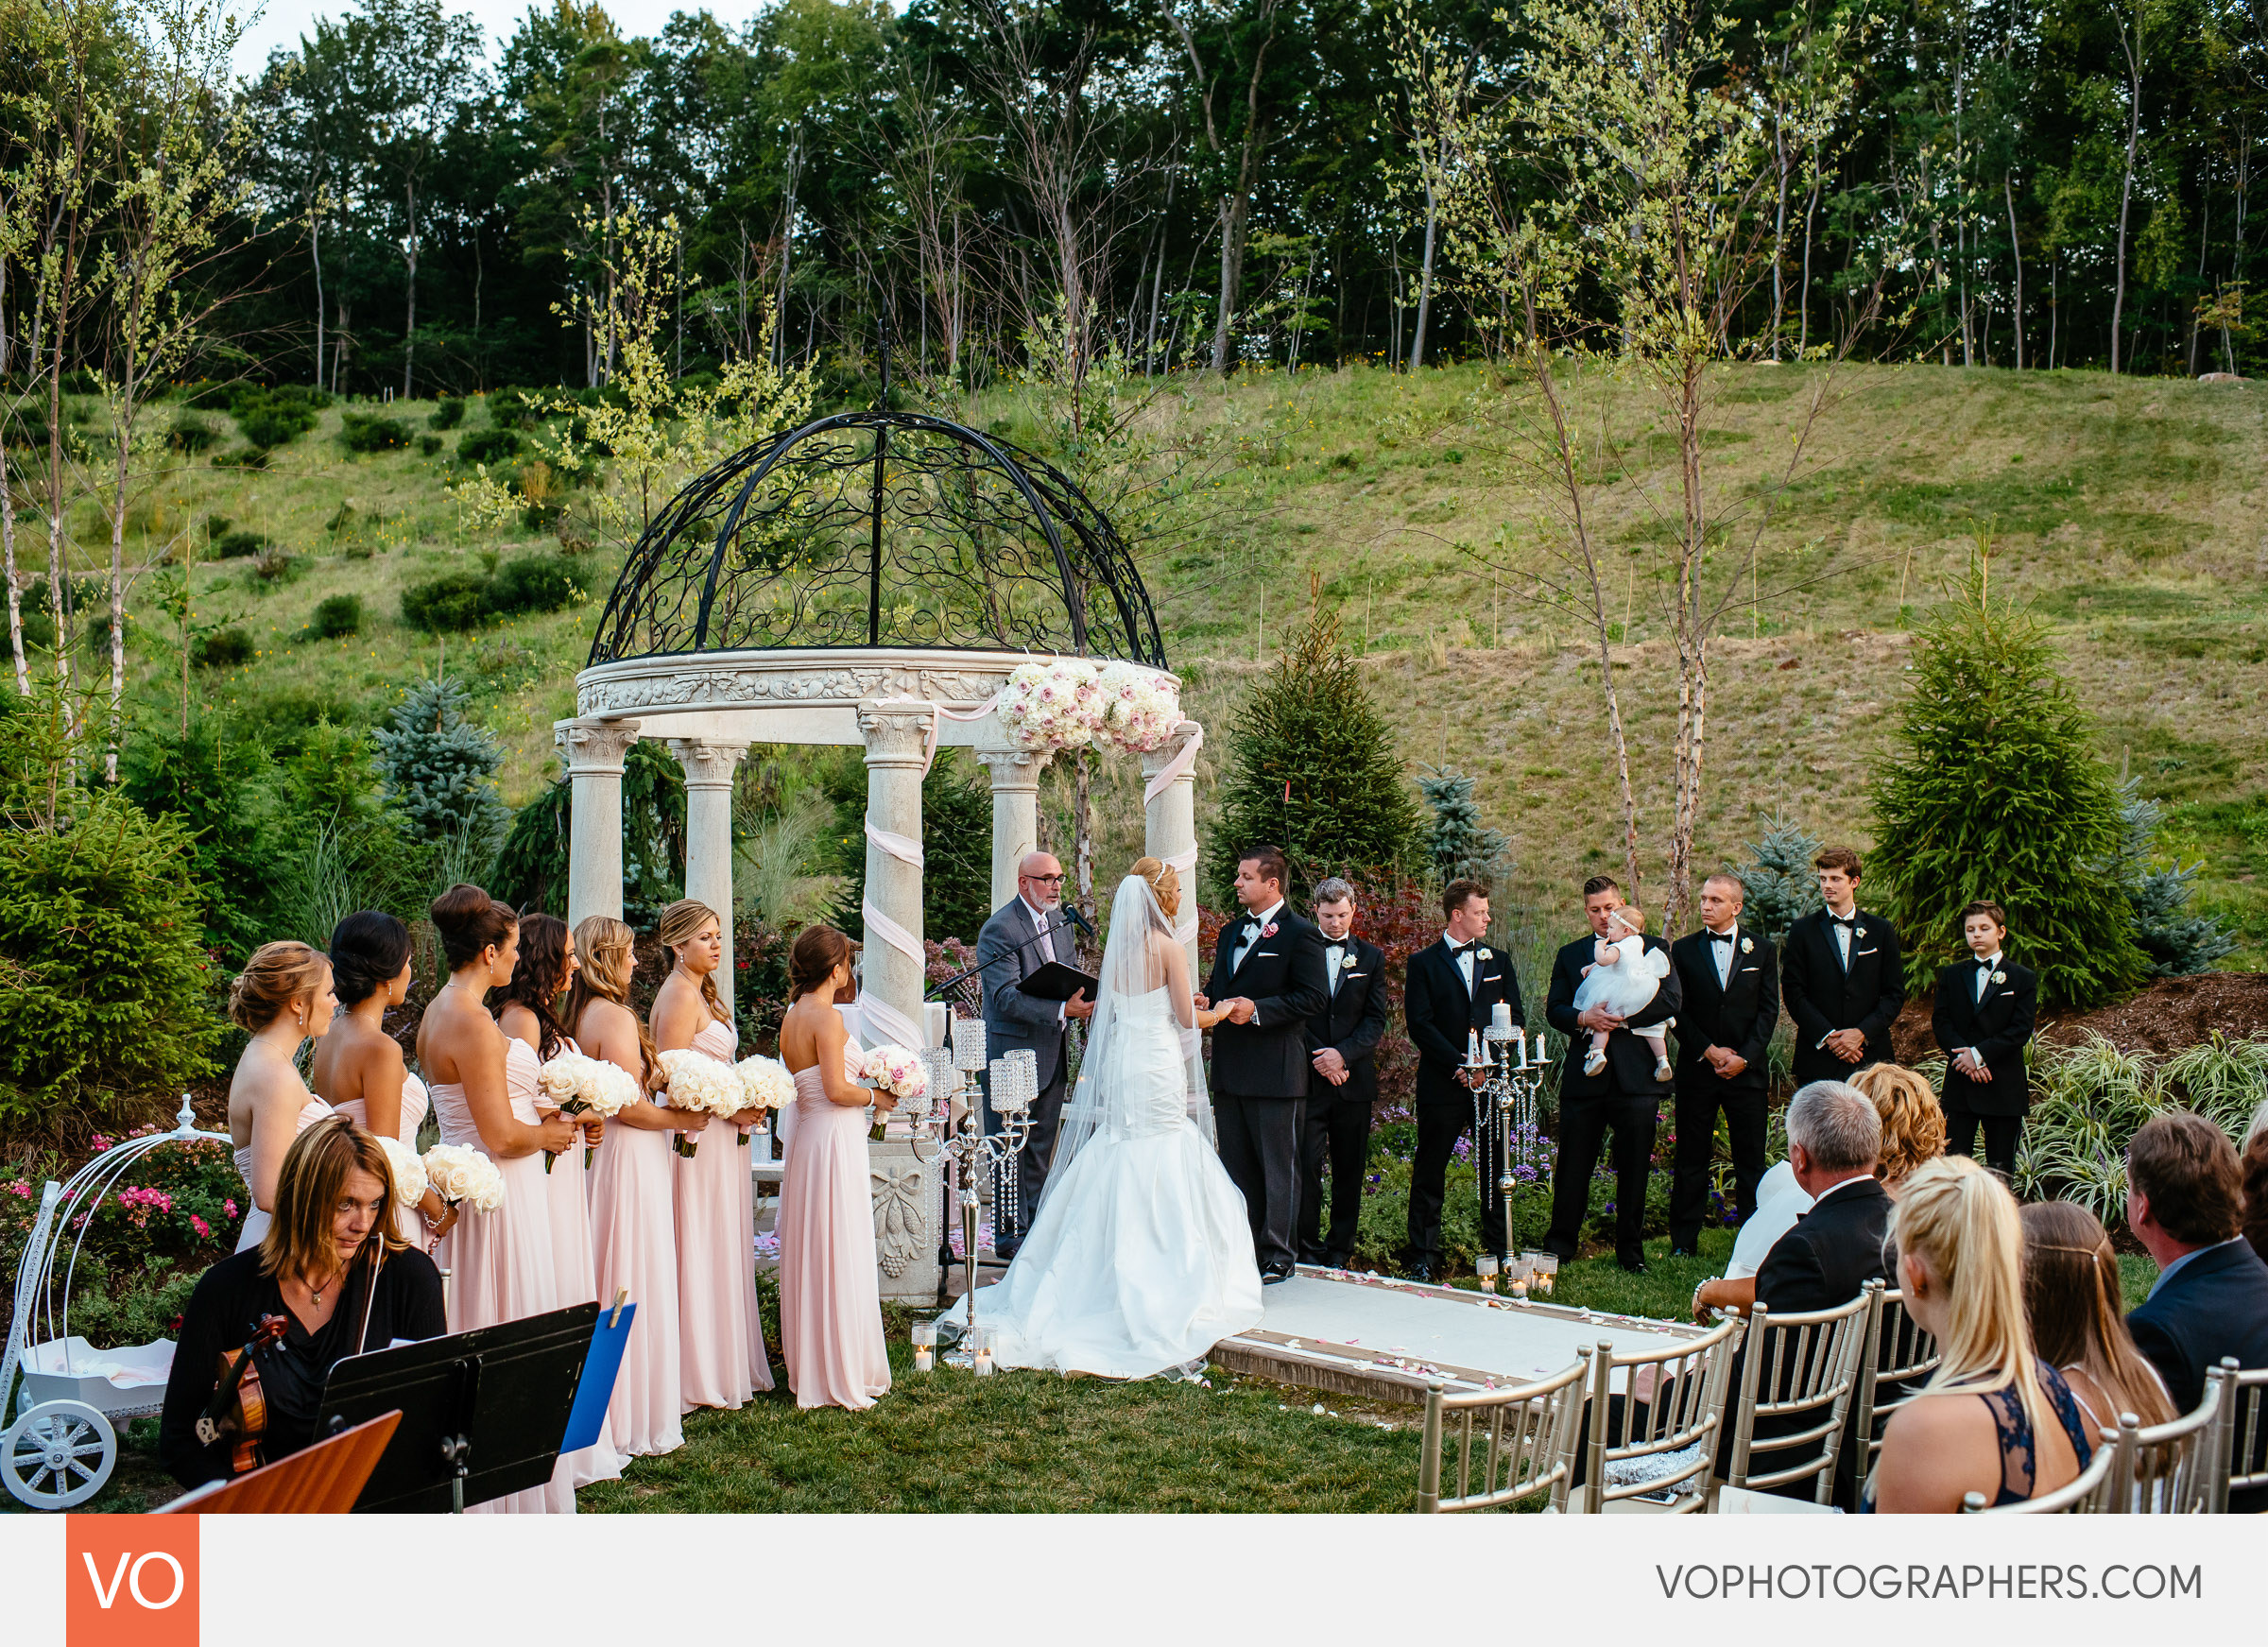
697	1081
409	1172
895	1071
765	1082
576	1085
459	1173
1141	707
1058	704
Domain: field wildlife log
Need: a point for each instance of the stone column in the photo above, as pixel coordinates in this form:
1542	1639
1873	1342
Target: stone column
710	765
896	739
594	751
1169	832
1014	813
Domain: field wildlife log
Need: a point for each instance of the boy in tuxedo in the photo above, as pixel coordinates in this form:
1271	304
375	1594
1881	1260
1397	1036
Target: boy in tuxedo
1984	1016
1267	974
1341	1041
1731	984
1451	993
1842	977
1624	1095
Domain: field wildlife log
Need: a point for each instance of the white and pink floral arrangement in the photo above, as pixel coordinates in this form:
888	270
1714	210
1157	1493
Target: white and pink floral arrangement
1070	703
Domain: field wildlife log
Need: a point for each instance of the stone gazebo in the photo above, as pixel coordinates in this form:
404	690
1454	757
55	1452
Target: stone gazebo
872	579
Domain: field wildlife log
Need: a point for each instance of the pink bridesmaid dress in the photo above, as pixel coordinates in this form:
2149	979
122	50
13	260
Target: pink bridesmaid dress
635	1241
720	1337
499	1263
574	1270
255	1220
416	1103
830	1299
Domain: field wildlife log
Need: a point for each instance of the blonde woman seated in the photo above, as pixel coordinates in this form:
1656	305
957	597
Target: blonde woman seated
1994	1418
2072	1299
1912	1121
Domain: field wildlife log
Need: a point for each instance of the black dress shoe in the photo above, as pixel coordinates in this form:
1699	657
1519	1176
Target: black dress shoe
1271	1273
1426	1273
1685	1252
1637	1266
1338	1260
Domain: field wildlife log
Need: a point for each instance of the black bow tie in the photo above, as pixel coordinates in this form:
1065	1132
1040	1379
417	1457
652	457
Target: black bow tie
1844	921
1457	950
1720	937
1983	966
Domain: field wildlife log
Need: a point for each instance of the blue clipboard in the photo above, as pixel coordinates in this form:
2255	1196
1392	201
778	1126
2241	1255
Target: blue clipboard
600	1365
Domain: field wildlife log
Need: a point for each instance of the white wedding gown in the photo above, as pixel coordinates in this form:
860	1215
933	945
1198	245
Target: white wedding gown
1141	1258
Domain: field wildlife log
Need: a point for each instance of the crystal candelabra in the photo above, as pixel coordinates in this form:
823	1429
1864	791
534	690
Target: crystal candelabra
971	1152
1505	1099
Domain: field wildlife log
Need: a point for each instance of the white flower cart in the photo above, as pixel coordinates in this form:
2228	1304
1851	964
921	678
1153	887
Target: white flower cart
63	1446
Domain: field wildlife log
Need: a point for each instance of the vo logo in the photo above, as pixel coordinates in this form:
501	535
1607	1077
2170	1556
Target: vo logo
131	1581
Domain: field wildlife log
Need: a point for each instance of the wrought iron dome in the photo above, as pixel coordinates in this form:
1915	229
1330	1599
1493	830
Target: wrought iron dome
880	529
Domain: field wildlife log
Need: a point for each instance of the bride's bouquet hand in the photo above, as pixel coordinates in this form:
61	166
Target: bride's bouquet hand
1206	1019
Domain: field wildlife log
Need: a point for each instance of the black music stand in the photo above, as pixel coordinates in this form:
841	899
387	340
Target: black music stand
483	1413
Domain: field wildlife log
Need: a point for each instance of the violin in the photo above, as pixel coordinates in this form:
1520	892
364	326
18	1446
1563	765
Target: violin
239	1406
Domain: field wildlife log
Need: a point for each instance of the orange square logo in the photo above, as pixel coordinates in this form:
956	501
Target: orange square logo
130	1581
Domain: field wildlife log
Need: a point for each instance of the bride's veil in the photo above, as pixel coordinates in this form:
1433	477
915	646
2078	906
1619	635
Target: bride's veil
1135	963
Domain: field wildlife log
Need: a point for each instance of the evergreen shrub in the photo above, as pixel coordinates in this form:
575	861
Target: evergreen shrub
438	769
238	545
365	432
537	583
487	446
229	648
191	435
336	616
454	600
270	419
448	414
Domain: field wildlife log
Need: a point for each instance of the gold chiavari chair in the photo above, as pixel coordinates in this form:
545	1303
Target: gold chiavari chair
1796	1377
1653	1447
1508	1445
1894	1359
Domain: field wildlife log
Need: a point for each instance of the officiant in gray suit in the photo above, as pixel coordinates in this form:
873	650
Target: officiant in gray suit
1022	936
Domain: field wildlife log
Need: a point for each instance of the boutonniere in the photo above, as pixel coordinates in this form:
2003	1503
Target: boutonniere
2000	977
1349	961
1486	954
1268	930
1858	933
1748	946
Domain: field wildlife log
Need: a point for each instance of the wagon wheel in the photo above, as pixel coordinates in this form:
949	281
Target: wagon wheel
58	1455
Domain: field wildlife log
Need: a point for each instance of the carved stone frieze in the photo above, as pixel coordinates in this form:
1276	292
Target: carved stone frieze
693	684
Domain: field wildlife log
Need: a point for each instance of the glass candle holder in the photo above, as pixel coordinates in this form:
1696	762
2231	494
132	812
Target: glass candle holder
1486	1267
1541	1279
925	1345
1516	1271
980	1345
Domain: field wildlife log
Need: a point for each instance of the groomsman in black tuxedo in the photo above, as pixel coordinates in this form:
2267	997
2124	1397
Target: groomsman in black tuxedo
1624	1095
1341	1041
1842	977
1984	1013
1268	974
1731	990
1451	993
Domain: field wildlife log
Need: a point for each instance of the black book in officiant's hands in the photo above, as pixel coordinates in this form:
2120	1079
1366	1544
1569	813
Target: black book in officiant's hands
1054	980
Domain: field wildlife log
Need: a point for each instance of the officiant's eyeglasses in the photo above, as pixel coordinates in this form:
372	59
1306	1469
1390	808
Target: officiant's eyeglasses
1047	880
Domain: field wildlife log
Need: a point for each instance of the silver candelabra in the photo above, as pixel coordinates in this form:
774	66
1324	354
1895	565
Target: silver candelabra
972	1151
1505	1100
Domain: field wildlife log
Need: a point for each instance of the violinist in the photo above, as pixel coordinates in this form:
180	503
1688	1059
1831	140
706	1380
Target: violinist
297	1304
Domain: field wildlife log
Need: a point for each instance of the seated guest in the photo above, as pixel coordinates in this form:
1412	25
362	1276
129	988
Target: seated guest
1836	1248
1994	1418
2072	1300
2255	1169
1912	1124
1779	1201
313	1269
2211	1296
1983	1019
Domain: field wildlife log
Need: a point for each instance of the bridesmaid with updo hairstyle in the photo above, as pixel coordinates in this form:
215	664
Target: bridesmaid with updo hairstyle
282	997
524	1012
499	1262
720	1332
359	1070
633	1227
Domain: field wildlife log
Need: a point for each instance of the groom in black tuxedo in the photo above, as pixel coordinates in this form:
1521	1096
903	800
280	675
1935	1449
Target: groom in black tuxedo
1842	977
1624	1095
1268	974
1451	993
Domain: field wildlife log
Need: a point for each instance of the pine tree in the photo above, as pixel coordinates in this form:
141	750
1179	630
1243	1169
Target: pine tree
1778	883
1995	793
2176	942
1312	768
440	769
1457	845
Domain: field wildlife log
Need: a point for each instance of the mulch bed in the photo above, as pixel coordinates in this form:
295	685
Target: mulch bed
2170	1015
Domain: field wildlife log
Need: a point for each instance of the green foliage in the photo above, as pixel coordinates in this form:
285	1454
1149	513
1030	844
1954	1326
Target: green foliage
448	413
1778	883
218	783
102	944
454	600
1995	792
510	407
229	648
270	420
956	849
487	446
653	833
430	445
531	866
2176	942
1457	845
438	769
1313	768
536	583
2089	1100
192	436
337	615
364	432
235	546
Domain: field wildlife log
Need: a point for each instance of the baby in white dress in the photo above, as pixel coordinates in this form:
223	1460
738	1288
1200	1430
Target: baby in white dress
1623	976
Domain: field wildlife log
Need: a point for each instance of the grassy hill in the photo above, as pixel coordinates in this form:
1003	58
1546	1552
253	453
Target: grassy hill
2134	513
